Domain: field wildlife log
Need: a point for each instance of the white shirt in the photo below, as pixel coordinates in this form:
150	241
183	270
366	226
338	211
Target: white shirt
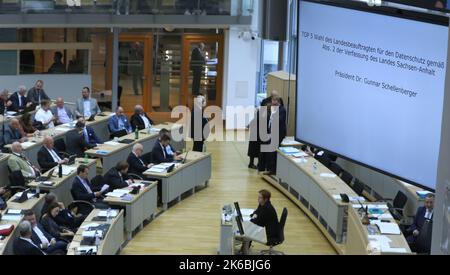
163	149
428	214
87	107
146	121
54	155
41	236
44	117
62	116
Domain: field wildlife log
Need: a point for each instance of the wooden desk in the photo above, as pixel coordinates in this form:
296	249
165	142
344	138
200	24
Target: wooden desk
315	195
195	172
35	204
4	171
113	240
62	186
141	208
358	238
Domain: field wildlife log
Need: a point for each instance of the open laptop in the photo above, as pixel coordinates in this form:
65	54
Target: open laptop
72	160
238	211
46	178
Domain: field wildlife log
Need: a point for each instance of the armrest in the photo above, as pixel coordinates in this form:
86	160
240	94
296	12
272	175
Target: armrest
134	176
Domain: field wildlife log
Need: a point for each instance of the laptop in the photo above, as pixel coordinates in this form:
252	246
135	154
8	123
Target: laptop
120	134
46	178
127	141
240	226
238	211
91	118
171	168
23	198
72	160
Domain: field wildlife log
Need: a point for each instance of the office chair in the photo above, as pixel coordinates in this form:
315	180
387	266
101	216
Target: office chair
335	168
358	187
134	176
60	146
17	178
346	177
330	156
397	206
423	241
324	160
280	240
84	204
97	182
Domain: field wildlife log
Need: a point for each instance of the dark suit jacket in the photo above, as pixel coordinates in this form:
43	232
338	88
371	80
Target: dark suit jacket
267	217
75	143
136	121
24	248
158	155
419	219
11	135
33	96
114	180
93	138
79	193
51	227
269	100
35	238
14	98
45	160
136	166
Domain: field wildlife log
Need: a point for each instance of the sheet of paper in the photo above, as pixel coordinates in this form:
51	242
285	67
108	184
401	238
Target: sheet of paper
14	212
156	169
289	150
328	175
114	195
104	213
247	211
387	228
86	226
112	143
19	194
12	218
27	144
300	160
67	170
300	154
393	250
92	234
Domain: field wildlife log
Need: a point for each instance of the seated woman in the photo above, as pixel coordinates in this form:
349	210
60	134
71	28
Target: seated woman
65	218
50	225
26	122
266	216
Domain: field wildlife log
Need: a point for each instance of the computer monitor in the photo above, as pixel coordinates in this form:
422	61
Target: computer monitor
185	158
240	226
238	211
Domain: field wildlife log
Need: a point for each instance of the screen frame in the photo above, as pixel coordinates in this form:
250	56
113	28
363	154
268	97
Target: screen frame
387	11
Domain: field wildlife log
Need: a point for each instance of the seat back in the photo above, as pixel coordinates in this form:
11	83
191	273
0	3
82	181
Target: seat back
335	168
400	200
16	178
97	182
282	224
346	177
423	241
358	187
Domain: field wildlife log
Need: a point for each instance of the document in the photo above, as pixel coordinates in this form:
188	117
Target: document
393	250
328	175
387	228
289	150
47	183
67	170
27	144
104	213
300	154
114	195
156	169
14	212
112	143
247	211
87	226
12	218
92	234
300	160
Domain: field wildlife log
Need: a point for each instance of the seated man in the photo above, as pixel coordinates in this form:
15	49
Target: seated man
23	245
65	217
18	162
423	213
140	120
19	100
13	132
62	113
45	116
117	177
119	123
170	150
89	134
160	151
48	157
87	106
42	239
37	94
136	162
82	190
76	142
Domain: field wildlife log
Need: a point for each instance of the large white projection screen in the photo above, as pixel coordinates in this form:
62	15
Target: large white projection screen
371	89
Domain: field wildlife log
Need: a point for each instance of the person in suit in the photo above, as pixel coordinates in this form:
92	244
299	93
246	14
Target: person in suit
264	114
18	162
87	106
266	216
65	217
58	66
5	103
273	94
423	213
19	100
137	164
140	120
89	134
159	152
117	177
119	122
48	222
62	113
82	190
48	157
45	116
37	94
76	141
198	123
23	245
277	115
42	239
13	132
254	145
198	61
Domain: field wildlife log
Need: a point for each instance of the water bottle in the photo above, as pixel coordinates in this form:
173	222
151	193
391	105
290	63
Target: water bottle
60	173
315	168
85	158
108	215
38	188
149	129
97	239
136	134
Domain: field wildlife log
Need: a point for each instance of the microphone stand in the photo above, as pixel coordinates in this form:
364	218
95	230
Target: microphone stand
5	120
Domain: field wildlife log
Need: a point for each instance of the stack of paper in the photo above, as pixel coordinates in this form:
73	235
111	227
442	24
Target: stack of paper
300	154
104	213
300	160
14	212
118	193
328	175
27	144
87	248
67	170
12	218
112	143
92	234
156	169
387	228
87	226
289	150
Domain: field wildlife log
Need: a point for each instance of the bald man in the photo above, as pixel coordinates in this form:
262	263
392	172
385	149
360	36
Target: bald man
19	100
13	132
18	162
269	99
62	113
48	157
136	162
119	123
140	120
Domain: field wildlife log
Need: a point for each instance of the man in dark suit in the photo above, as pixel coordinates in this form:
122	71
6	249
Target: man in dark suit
19	100
278	115
24	246
89	134
13	132
76	143
117	177
140	120
42	239
423	213
82	190
137	164
198	60
268	100
37	94
159	152
48	158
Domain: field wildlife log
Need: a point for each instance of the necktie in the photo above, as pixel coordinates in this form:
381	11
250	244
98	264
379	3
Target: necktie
86	136
20	101
55	155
